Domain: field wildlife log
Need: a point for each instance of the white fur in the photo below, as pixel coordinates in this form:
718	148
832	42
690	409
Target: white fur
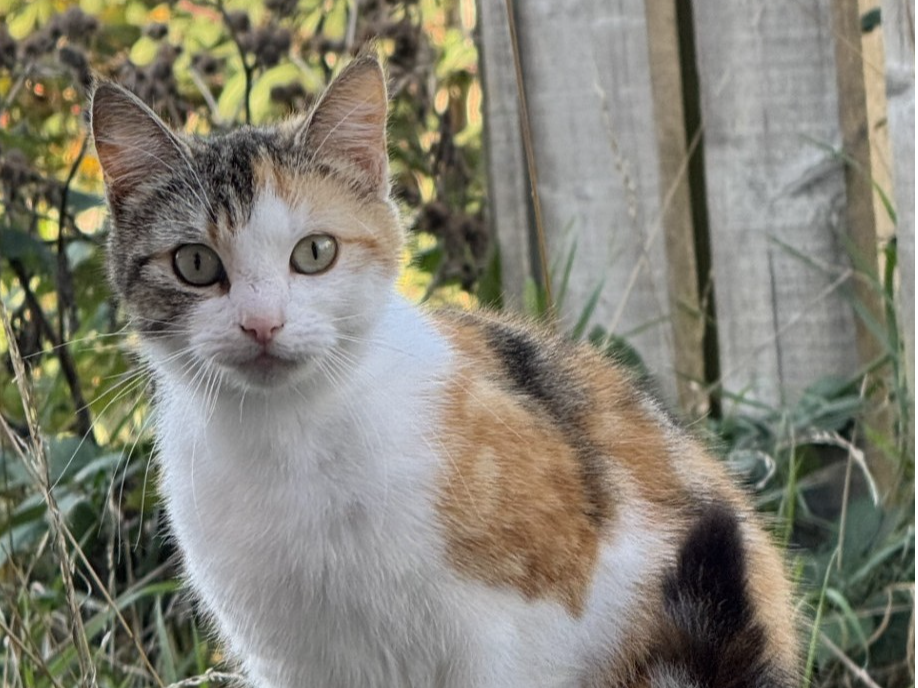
304	506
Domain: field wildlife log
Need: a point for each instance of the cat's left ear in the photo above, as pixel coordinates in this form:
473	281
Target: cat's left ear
347	128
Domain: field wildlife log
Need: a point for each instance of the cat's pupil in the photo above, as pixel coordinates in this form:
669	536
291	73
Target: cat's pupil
315	250
197	261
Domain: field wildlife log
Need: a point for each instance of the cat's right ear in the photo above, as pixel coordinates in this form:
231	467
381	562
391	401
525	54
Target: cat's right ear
132	143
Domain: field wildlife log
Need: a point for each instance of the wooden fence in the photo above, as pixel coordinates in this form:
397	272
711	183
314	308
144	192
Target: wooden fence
710	164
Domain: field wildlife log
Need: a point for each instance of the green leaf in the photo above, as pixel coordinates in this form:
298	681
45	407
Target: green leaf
144	51
18	245
79	201
587	311
870	20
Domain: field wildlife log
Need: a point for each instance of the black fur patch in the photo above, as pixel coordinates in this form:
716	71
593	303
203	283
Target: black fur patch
715	640
535	370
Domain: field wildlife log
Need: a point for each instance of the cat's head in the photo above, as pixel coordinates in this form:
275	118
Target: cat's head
264	253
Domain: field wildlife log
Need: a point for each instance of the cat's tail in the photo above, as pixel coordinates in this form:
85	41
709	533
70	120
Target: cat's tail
713	638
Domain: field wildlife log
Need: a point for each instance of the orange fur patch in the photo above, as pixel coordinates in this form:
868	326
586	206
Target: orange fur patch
513	502
518	509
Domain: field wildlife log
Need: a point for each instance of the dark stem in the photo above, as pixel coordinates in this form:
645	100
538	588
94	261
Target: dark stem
247	69
531	166
61	350
68	318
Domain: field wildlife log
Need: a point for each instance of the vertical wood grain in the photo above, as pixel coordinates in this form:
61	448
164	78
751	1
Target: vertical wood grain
776	195
899	45
508	183
870	325
587	77
676	205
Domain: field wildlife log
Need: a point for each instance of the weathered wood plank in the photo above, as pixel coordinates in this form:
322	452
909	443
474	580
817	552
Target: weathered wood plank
508	183
861	228
587	78
775	195
899	44
676	205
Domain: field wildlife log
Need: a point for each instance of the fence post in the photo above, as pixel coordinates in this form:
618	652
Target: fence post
686	310
508	183
898	19
870	325
587	78
775	196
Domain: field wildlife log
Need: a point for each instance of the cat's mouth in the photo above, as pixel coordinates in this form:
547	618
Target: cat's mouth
268	362
266	369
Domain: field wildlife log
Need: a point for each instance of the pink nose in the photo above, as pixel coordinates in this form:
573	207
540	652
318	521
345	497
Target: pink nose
261	328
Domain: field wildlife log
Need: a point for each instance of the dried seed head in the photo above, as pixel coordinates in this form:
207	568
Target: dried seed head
75	24
269	44
238	21
282	8
38	44
7	48
293	95
206	64
155	31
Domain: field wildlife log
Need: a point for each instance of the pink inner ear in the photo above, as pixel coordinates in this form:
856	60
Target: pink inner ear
348	127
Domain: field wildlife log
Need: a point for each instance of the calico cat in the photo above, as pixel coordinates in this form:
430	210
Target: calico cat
369	494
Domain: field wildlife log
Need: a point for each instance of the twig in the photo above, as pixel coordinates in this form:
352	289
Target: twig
855	670
530	163
207	676
353	9
66	303
247	69
39	461
14	91
84	425
207	95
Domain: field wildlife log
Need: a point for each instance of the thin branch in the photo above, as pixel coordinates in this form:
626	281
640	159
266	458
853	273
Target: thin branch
201	85
83	418
207	677
14	90
855	670
247	69
68	319
530	163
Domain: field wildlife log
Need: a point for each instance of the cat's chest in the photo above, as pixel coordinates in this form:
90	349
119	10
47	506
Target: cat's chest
307	534
304	495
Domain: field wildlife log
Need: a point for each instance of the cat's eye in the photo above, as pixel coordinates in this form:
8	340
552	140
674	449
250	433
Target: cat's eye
314	254
197	265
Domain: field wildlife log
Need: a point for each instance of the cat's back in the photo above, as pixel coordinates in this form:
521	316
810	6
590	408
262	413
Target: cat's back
569	484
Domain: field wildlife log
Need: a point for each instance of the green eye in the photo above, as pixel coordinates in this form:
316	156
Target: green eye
314	254
197	265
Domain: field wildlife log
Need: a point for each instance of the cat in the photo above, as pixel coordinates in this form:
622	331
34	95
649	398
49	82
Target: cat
367	493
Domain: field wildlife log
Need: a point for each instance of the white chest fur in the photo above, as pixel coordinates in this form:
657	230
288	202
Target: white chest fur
306	523
309	531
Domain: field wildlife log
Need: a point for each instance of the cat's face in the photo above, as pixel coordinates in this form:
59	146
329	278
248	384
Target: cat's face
265	254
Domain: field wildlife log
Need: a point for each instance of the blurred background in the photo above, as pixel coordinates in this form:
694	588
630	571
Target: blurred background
719	195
